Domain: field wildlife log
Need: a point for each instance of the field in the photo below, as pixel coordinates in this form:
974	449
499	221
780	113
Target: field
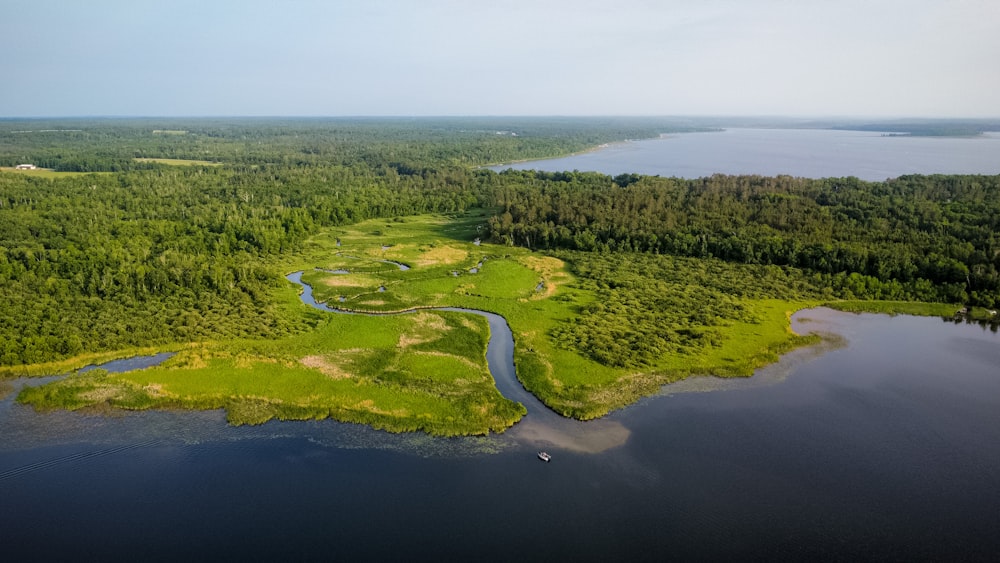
423	371
45	172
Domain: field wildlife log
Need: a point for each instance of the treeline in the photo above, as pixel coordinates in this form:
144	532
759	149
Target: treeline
112	145
929	127
925	238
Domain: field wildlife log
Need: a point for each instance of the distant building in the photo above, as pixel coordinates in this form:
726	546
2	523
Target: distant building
25	167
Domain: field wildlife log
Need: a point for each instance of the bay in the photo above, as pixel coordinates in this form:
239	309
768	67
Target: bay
883	444
808	153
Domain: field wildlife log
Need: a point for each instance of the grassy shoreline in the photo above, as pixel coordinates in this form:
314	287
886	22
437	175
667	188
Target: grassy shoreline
896	308
426	371
588	150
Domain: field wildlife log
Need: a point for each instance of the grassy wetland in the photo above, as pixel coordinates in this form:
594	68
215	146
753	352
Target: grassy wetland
612	286
426	370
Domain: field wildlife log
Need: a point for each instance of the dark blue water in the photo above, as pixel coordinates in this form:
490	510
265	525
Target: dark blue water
887	447
808	153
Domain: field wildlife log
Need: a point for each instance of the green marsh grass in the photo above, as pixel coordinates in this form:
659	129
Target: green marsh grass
896	308
394	373
5	389
426	370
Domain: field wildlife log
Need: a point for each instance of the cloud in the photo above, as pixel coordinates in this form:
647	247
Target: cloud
391	57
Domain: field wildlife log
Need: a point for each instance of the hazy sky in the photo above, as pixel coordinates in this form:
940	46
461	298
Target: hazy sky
501	57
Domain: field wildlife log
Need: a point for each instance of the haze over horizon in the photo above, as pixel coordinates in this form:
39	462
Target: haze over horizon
823	58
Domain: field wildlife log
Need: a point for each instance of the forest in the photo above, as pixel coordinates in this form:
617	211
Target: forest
113	249
406	145
914	238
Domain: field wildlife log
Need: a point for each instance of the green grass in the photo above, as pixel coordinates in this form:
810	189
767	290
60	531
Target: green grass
896	308
46	172
420	372
5	389
426	371
507	284
72	364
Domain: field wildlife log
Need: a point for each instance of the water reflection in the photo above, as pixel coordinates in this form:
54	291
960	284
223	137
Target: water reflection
824	322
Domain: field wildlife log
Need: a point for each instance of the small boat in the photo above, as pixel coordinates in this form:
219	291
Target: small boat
544	456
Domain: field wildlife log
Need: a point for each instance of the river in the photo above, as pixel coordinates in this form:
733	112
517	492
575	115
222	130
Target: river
808	153
883	444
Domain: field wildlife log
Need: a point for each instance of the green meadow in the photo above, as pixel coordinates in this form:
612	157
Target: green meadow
426	370
46	173
897	308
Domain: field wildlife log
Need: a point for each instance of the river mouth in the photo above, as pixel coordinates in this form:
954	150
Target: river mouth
886	448
541	427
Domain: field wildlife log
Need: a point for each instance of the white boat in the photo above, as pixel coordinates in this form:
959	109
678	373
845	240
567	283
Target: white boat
544	456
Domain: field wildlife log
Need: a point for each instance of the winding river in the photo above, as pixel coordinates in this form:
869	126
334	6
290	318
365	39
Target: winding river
499	349
541	426
884	446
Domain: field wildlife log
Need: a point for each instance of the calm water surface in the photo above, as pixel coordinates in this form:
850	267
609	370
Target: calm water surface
809	153
885	446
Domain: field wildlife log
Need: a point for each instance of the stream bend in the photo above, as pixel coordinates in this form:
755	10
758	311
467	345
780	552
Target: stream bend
499	348
541	426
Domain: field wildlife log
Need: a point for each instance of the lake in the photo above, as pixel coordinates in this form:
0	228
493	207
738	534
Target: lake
884	443
808	153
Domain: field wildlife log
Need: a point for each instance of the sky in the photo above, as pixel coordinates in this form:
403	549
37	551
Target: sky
808	58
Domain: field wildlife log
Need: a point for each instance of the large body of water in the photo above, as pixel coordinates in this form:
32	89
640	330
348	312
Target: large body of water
808	153
885	447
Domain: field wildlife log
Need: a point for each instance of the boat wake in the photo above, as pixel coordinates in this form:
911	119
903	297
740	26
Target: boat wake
77	457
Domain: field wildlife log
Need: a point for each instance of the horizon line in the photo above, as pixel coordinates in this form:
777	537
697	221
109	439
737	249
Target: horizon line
516	116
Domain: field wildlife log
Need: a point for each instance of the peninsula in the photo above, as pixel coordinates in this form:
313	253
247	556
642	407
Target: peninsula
611	286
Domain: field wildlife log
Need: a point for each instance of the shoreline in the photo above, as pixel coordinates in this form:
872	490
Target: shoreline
602	146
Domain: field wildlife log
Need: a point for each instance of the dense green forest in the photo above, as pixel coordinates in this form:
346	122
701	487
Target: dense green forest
143	253
406	145
147	257
921	238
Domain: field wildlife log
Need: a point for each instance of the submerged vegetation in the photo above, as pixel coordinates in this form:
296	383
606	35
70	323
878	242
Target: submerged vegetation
611	286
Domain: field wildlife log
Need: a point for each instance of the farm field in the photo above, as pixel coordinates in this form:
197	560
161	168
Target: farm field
45	172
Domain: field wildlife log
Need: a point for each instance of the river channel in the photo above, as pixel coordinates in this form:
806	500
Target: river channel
541	426
885	444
